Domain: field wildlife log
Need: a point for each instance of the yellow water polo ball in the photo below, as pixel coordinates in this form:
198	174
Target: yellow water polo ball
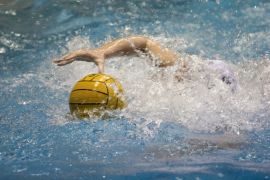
94	94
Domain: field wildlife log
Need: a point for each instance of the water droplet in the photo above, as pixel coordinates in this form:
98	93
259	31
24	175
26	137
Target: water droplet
2	50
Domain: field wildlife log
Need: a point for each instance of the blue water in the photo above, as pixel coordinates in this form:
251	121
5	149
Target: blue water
163	134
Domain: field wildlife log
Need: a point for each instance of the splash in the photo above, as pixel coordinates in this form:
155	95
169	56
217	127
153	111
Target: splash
200	102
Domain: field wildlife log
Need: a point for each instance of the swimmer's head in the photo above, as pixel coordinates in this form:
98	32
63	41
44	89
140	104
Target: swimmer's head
230	81
226	73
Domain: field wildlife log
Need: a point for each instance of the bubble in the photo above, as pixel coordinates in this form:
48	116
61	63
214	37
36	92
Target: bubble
11	12
2	50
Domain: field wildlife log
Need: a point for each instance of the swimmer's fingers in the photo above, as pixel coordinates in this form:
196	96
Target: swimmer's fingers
62	62
70	57
95	56
100	65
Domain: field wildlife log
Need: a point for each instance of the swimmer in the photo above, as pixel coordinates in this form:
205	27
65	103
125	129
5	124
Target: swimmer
163	57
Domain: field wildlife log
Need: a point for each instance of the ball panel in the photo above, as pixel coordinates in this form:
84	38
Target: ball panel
89	77
101	77
87	96
90	85
121	103
112	89
115	94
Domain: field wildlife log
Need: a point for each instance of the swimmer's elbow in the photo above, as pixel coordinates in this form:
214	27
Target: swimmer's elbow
166	63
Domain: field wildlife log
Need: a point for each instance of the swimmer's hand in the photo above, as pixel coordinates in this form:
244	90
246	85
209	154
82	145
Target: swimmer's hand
83	55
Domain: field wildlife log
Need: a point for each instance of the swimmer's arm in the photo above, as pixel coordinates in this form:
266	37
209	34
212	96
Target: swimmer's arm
120	47
133	44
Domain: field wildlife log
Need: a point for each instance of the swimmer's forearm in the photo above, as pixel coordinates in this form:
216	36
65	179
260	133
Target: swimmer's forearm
123	46
139	43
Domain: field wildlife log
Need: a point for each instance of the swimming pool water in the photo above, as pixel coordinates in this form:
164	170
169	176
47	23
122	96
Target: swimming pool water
170	130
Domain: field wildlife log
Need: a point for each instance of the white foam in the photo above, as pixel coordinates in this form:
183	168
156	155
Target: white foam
200	102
